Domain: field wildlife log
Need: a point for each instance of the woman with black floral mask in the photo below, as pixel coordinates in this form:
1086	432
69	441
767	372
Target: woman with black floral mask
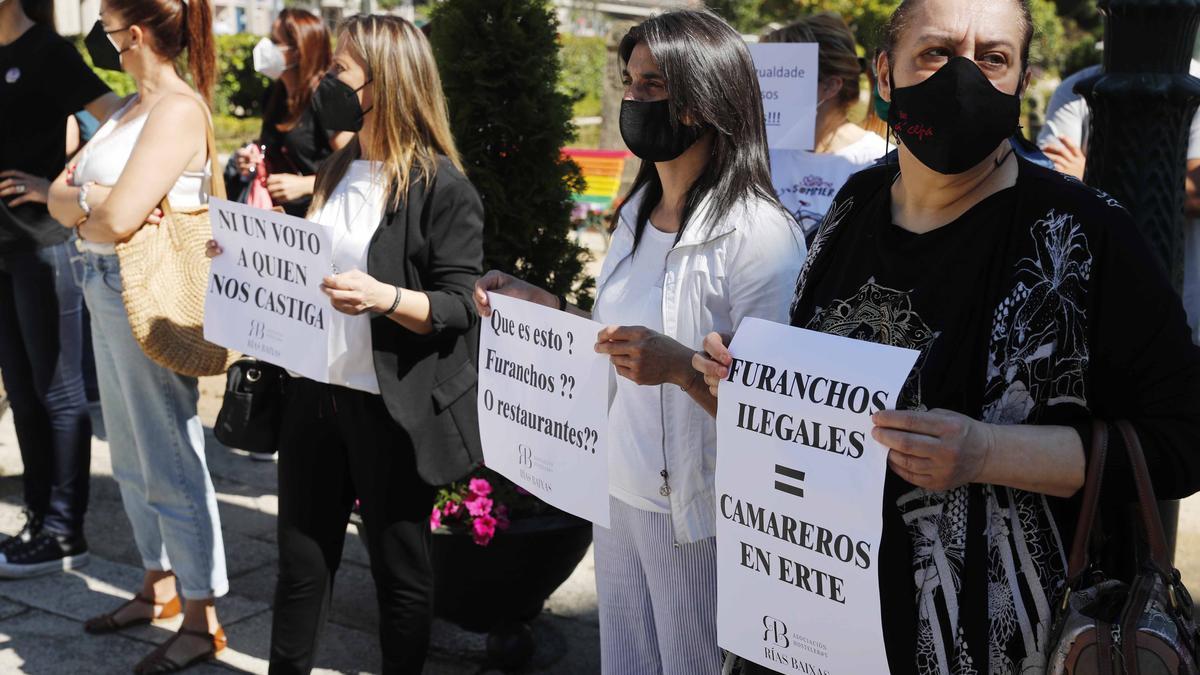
701	243
1036	307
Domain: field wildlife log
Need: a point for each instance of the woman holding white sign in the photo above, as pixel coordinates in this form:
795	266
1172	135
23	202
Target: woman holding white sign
701	243
398	416
1036	306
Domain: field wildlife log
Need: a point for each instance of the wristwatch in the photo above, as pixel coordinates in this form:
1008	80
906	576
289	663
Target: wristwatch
83	205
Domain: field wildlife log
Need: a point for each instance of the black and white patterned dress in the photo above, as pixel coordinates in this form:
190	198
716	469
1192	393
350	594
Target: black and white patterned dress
1040	305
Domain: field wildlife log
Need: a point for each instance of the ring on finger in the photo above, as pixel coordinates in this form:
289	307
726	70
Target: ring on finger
20	188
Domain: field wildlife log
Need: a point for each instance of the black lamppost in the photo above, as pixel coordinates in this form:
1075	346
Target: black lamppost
1142	106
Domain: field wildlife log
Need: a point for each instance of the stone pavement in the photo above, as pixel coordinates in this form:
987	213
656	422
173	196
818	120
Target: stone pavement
41	619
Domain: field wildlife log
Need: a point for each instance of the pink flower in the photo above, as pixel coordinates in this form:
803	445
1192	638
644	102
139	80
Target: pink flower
484	529
479	506
480	487
451	508
435	519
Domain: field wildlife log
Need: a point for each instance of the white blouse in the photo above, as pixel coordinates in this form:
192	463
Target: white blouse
104	158
352	213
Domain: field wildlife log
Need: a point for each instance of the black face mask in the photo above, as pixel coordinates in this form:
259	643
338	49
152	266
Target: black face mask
952	121
336	105
650	133
101	48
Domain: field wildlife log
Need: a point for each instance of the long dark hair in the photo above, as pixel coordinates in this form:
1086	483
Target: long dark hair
710	80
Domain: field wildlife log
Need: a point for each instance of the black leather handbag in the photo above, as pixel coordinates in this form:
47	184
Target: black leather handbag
252	410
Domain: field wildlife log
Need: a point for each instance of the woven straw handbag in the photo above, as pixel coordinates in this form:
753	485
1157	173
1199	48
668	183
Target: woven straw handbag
164	275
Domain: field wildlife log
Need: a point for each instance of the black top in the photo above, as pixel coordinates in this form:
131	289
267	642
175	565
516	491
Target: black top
1040	305
299	150
43	80
433	243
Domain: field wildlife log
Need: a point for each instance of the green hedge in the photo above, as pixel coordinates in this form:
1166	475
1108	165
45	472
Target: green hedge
239	89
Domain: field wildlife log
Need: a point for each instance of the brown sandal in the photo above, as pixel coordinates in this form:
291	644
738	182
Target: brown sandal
107	623
157	662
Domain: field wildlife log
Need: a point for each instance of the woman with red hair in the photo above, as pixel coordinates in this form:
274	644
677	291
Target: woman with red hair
292	142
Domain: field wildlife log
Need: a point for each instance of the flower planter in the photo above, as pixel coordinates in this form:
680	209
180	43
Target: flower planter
499	588
482	587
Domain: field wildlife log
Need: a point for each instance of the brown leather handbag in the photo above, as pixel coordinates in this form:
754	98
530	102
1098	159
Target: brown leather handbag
1105	626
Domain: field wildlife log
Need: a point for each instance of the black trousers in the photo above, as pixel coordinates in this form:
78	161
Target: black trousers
41	358
337	445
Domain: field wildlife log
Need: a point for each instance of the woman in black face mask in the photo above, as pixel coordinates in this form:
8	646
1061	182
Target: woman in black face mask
1036	307
701	243
41	306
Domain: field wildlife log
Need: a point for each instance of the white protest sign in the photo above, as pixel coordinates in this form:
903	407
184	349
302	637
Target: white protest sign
787	76
543	405
264	292
799	498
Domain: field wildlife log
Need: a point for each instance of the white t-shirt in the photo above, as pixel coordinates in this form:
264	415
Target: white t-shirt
633	297
1068	115
807	182
352	215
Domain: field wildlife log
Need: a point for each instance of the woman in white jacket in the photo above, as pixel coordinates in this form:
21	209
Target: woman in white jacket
701	243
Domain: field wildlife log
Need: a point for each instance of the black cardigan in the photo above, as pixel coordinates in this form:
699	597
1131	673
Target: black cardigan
432	243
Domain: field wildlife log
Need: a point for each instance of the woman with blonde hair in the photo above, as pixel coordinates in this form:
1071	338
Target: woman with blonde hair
399	414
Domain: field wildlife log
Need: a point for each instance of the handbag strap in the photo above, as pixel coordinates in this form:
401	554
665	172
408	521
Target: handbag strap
1080	548
1147	504
216	186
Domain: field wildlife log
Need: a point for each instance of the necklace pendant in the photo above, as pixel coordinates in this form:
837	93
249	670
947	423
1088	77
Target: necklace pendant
665	490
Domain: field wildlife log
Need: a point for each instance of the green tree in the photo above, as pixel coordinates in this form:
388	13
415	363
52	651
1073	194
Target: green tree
500	67
584	60
1049	49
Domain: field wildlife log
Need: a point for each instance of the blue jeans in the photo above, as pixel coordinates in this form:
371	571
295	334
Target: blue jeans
157	445
41	357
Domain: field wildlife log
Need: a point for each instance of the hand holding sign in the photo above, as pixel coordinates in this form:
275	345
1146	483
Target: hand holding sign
506	284
543	404
644	356
938	450
355	292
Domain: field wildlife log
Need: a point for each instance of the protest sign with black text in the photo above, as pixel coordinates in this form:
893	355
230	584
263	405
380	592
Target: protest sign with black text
543	405
799	498
787	76
264	294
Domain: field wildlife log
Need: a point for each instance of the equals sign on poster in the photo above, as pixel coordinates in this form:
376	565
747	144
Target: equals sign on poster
794	474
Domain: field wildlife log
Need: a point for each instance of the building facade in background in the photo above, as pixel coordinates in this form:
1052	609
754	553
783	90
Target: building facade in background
74	17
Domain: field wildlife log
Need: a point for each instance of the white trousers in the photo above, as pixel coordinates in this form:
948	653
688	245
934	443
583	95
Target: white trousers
658	602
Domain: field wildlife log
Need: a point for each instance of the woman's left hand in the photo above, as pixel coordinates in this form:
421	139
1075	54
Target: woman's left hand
26	188
288	187
355	292
646	357
937	450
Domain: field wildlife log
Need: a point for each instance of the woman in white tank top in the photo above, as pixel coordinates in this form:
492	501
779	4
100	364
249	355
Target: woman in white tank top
155	146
